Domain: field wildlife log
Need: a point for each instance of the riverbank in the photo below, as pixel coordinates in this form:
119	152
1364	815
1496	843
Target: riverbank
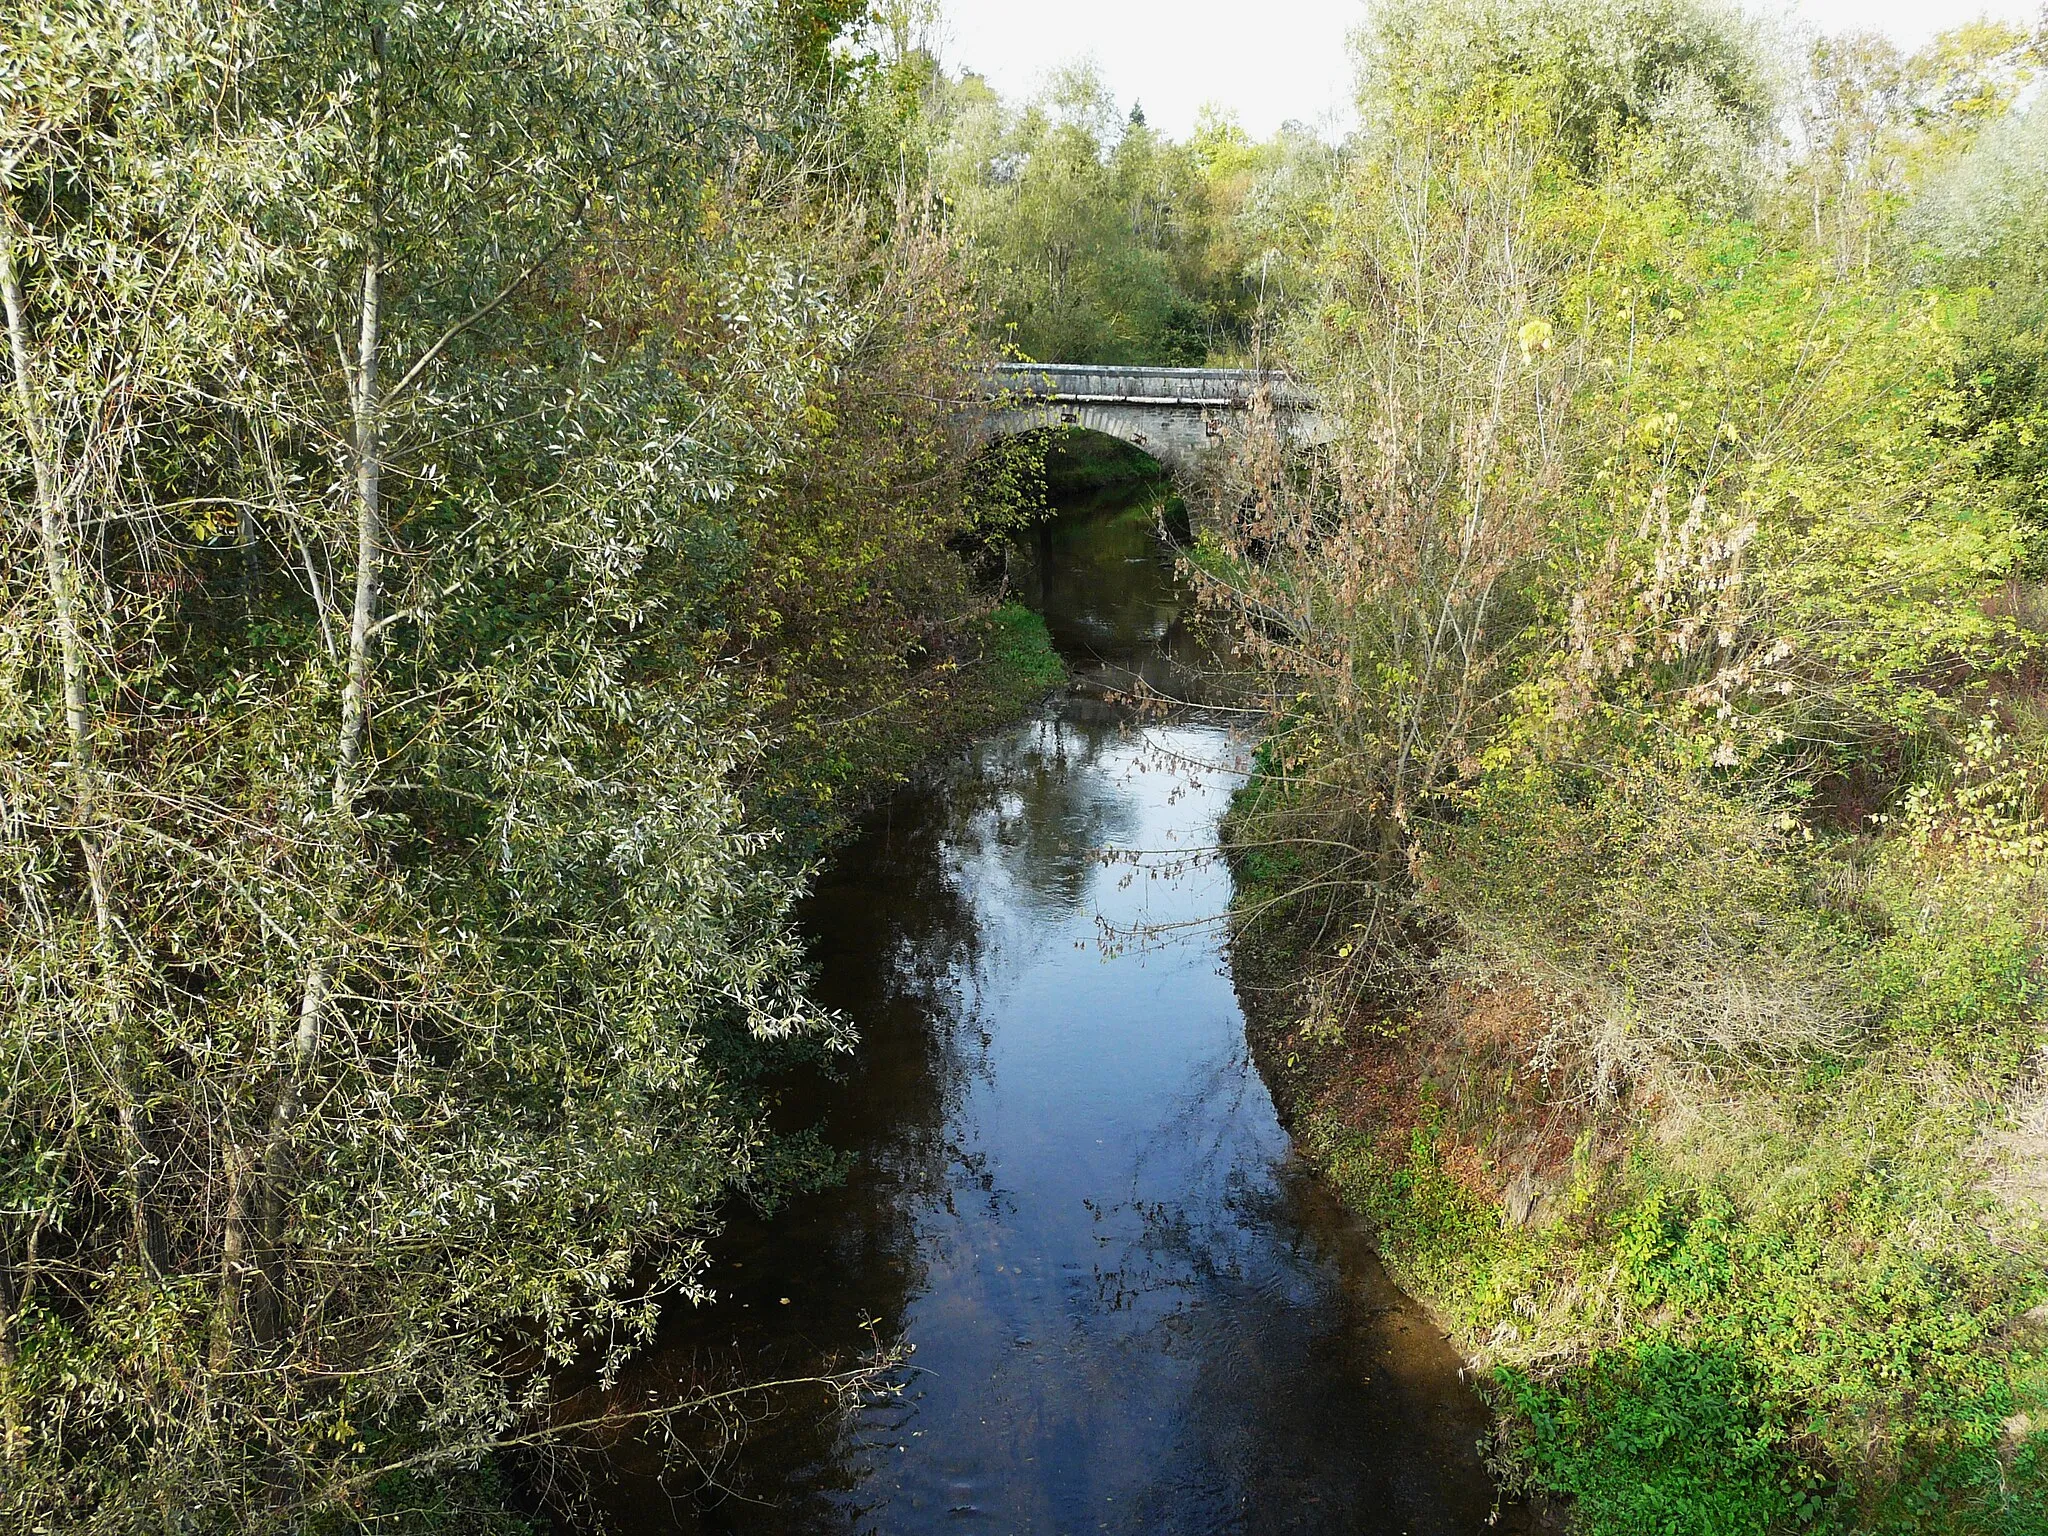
1802	1302
830	773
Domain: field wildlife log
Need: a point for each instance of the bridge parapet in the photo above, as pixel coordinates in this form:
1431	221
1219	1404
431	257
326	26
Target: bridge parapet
1102	384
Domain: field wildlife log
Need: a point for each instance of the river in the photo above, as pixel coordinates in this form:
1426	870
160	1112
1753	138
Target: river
1130	1307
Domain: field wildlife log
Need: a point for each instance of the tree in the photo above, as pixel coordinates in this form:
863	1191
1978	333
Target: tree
1657	732
1613	500
399	406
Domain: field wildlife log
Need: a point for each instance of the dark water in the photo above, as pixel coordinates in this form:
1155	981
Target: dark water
1131	1309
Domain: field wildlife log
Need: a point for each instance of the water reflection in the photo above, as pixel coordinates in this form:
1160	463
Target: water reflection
1130	1308
1105	583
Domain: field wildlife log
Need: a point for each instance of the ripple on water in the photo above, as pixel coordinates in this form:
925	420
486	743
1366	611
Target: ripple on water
1132	1309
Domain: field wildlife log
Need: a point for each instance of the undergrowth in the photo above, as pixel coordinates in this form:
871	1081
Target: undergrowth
1766	1297
1827	1330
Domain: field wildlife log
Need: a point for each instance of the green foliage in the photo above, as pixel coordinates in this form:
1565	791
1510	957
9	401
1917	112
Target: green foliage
1794	1320
1669	1248
1801	1324
463	462
2004	409
1106	242
1670	494
1657	1440
1086	222
1444	1237
1000	665
1082	466
1666	912
1956	892
1979	220
1687	80
1959	972
808	29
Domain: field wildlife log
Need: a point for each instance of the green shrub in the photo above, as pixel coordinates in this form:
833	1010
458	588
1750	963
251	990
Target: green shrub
1959	972
1664	1439
1662	912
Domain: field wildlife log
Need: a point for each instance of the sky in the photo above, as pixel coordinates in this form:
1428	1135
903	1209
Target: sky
1271	60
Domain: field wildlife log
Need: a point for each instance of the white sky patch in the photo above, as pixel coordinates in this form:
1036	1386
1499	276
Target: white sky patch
1274	60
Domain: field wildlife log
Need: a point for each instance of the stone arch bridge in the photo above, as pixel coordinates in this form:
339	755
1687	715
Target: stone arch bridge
1177	415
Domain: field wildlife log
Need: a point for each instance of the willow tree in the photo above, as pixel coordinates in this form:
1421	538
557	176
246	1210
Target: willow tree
124	273
390	389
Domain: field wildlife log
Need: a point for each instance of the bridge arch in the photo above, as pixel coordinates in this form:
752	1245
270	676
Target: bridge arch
1177	415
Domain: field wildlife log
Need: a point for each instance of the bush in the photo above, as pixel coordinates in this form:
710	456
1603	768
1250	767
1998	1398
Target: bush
1661	913
1662	1439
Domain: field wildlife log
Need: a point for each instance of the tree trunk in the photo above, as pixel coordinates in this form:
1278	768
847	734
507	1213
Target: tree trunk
234	1258
369	456
11	1441
366	403
53	515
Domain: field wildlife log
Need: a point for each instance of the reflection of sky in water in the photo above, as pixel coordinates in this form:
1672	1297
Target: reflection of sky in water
1114	1308
1130	1310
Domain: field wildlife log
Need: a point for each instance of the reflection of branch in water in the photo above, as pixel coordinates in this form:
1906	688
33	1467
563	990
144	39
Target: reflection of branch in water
1215	1097
1129	688
574	1440
1362	965
1159	750
1184	753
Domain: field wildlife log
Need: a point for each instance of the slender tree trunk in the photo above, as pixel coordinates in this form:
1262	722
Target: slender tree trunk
53	515
369	450
366	404
234	1258
11	1440
17	1288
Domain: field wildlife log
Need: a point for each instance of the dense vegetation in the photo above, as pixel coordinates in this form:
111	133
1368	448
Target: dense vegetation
466	467
1658	798
487	498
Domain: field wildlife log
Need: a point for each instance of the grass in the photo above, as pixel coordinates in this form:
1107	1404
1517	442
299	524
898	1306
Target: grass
1021	664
